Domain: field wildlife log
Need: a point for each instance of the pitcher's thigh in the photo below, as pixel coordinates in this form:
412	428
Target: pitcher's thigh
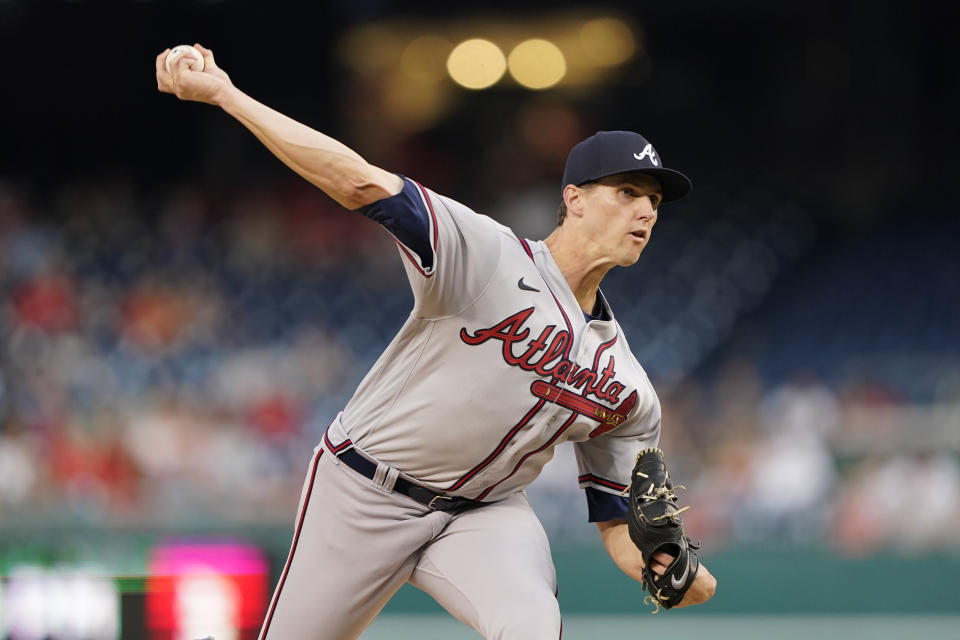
491	568
353	547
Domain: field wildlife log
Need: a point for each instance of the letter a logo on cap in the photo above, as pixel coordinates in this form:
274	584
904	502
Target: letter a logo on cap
648	151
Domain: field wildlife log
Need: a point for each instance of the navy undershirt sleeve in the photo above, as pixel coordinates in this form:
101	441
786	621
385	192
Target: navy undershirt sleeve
603	506
406	218
603	316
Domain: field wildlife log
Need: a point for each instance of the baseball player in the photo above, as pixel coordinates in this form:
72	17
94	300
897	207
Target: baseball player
510	350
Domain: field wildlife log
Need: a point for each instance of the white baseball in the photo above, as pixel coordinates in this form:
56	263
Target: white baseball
180	50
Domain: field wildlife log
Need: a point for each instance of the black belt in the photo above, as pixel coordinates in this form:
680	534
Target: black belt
432	499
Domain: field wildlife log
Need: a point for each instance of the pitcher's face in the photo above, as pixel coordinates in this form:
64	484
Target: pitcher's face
619	214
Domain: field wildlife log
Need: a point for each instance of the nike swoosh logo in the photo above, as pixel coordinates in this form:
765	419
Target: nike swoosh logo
683	576
525	286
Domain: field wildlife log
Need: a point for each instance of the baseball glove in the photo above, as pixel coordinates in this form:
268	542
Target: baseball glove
654	523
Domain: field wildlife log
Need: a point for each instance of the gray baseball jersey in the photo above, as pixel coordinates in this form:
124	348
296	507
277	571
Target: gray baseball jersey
494	367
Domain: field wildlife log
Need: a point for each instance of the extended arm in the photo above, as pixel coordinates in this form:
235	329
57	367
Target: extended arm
336	169
626	555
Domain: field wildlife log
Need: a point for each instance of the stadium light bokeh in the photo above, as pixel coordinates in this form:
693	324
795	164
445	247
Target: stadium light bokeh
417	71
476	64
537	64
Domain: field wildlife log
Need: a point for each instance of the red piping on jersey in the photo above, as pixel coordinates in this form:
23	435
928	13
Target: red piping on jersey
526	247
527	455
338	448
459	483
415	264
293	546
433	215
589	477
566	351
566	321
436	232
510	434
500	447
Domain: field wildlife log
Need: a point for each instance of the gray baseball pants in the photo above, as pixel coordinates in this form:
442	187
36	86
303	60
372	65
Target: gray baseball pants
356	543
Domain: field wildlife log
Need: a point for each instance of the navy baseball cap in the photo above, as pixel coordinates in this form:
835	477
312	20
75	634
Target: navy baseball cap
607	153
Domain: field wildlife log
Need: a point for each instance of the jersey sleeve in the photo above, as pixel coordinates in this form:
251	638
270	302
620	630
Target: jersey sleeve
605	463
449	252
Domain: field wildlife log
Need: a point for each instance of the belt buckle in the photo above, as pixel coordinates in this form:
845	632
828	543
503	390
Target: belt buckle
430	504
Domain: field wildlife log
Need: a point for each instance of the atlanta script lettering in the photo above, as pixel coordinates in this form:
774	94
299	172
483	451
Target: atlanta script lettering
548	355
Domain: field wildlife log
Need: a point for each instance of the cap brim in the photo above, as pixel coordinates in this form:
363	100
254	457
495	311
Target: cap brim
675	185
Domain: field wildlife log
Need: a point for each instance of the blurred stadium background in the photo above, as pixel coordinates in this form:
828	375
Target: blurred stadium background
180	316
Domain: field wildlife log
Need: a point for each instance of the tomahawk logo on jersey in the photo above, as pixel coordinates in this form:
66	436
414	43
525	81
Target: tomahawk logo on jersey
523	369
554	363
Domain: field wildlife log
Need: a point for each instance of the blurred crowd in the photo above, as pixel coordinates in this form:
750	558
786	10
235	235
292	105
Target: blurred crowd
803	463
174	356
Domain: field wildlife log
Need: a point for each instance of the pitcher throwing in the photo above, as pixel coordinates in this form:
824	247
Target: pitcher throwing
510	350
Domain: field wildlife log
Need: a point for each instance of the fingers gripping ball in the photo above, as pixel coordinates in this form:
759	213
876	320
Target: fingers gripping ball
181	50
654	523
